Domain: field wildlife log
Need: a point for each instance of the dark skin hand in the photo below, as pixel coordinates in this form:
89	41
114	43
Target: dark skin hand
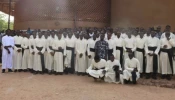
33	53
89	56
39	53
128	50
59	48
19	50
165	46
135	70
104	72
52	53
150	54
6	47
81	55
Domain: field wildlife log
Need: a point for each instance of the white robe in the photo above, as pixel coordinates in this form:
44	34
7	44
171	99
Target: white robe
31	56
49	59
165	67
17	58
69	43
151	42
110	73
58	57
81	47
26	55
39	42
140	43
91	44
97	73
7	59
130	64
111	45
128	43
118	42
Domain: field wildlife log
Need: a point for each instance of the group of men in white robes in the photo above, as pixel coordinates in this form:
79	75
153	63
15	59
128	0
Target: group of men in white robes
71	51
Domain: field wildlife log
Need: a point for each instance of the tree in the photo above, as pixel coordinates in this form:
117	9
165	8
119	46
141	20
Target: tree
4	23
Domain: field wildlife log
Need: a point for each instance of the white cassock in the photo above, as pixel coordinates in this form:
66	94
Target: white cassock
26	55
130	64
152	43
97	73
124	35
70	52
91	50
128	43
165	65
46	53
7	59
111	47
140	51
118	49
49	59
110	75
59	54
38	60
31	49
17	58
81	47
171	35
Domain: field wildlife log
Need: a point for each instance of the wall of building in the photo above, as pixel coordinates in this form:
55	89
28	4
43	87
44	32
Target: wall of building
55	14
143	13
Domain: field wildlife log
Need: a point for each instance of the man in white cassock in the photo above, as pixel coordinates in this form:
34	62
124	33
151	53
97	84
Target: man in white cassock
113	71
59	47
17	58
81	47
132	69
110	44
166	55
26	55
49	64
140	52
70	52
32	52
39	55
152	47
129	45
91	49
97	68
118	47
7	52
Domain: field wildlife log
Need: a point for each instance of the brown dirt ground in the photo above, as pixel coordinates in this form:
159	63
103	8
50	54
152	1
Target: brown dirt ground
26	86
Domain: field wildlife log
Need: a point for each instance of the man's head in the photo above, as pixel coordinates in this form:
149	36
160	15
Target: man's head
94	37
130	54
153	33
70	35
97	58
112	58
102	36
59	35
168	28
158	29
81	36
109	35
141	34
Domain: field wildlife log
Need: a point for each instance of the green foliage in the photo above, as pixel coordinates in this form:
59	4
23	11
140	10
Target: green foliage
4	23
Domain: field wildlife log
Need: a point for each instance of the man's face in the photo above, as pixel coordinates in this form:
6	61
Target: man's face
153	33
130	55
94	37
59	36
102	36
112	58
109	35
70	35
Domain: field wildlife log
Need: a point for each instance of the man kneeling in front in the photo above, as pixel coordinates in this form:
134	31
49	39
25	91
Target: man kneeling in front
97	68
132	69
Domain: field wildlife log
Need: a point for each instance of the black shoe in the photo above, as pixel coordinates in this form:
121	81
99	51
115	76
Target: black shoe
134	82
147	76
19	70
56	73
25	70
15	70
3	70
154	77
9	70
35	72
163	77
168	77
126	81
